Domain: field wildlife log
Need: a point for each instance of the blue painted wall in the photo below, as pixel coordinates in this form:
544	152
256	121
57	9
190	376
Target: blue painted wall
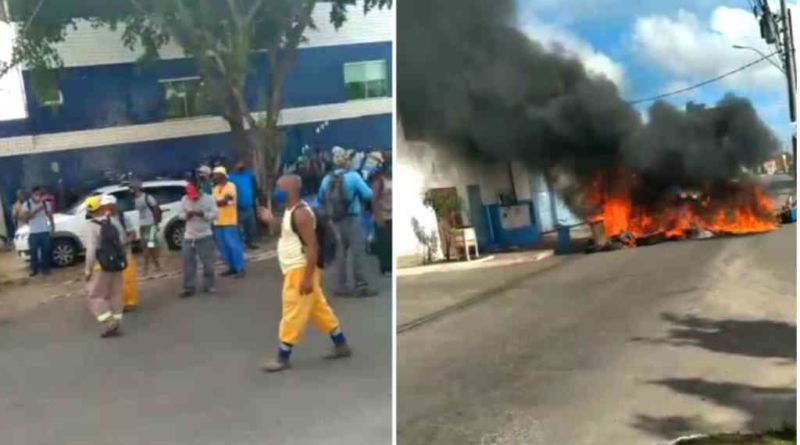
128	94
14	128
82	170
521	237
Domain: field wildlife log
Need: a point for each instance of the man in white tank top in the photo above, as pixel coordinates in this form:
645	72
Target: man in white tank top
302	297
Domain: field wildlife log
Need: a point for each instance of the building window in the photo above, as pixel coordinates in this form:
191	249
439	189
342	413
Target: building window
52	98
366	80
185	98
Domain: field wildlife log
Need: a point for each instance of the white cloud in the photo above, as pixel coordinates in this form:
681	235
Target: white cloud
689	49
596	62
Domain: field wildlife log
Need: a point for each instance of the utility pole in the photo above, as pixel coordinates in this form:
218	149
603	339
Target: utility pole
777	29
791	77
788	57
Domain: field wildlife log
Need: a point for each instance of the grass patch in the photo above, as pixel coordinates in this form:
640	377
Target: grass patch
785	436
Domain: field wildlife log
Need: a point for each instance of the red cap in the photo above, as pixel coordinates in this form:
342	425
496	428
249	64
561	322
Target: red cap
191	191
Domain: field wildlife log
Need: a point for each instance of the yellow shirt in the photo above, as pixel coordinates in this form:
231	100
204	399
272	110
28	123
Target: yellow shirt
227	213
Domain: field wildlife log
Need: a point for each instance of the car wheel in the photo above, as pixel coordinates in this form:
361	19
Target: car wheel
174	236
65	252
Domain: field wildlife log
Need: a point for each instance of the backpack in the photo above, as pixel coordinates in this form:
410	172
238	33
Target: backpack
155	210
326	237
335	201
110	253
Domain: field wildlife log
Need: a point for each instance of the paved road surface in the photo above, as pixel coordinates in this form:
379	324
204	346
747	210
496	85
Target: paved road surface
629	347
186	372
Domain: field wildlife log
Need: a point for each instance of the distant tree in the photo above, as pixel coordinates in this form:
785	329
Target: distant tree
221	35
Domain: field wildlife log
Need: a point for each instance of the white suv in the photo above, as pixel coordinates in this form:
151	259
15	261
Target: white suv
68	240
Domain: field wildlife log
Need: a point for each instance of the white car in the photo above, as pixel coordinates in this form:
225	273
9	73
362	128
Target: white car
68	240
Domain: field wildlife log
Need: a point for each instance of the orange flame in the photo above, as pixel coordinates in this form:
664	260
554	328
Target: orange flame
740	209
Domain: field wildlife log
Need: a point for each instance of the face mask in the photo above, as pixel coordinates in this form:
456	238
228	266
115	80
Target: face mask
280	196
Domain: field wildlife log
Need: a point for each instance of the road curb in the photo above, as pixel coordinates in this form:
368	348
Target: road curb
682	439
473	300
486	262
219	265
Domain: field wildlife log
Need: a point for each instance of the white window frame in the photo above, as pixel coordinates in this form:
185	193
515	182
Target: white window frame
55	103
366	62
181	79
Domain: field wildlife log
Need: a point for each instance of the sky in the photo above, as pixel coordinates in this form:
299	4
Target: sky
648	47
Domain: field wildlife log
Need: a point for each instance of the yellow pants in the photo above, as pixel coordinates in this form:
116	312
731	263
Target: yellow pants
297	309
130	296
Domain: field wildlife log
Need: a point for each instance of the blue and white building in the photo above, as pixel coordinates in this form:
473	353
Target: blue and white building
508	204
114	115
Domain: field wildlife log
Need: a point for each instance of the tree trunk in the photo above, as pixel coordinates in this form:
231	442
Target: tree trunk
241	142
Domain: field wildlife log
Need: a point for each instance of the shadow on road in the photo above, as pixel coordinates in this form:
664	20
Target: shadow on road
763	406
753	338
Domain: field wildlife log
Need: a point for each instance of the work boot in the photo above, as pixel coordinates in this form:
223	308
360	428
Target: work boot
228	273
341	350
129	308
111	329
240	274
366	292
187	293
277	365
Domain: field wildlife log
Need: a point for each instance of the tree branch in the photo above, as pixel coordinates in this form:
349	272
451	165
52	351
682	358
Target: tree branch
33	16
237	17
254	10
138	6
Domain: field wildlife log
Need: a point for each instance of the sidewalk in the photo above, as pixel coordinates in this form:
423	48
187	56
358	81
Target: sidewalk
484	262
14	270
18	292
426	293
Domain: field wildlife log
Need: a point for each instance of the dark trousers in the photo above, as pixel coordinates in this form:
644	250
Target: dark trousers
202	249
41	251
383	246
247	225
352	242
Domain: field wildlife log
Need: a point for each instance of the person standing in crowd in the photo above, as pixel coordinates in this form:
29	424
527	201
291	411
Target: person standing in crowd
340	194
16	211
226	226
105	261
302	297
130	292
204	182
381	181
149	219
245	181
38	213
199	210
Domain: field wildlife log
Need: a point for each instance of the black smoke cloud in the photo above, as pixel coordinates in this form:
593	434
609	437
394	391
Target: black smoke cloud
467	77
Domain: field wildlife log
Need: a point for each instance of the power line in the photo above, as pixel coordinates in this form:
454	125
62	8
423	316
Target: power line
698	85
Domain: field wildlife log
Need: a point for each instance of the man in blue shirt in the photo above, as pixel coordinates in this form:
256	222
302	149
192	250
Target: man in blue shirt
341	194
245	181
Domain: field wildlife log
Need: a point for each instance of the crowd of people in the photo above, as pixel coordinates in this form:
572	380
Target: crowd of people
221	210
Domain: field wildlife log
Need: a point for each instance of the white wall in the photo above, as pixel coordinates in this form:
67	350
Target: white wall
80	48
180	128
12	91
421	166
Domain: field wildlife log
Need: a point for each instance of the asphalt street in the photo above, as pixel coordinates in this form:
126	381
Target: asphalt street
187	372
636	347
